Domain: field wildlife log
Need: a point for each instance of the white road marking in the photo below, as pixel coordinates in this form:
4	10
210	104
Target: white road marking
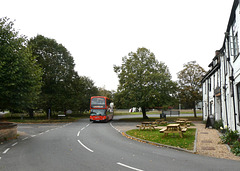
85	146
25	138
133	168
33	135
78	133
114	127
6	150
14	144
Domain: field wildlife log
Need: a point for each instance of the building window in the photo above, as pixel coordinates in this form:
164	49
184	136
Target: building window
205	87
238	99
234	42
214	81
209	85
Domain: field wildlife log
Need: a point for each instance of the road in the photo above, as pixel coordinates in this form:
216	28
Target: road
86	146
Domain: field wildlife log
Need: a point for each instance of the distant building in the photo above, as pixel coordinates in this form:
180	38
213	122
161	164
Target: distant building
221	84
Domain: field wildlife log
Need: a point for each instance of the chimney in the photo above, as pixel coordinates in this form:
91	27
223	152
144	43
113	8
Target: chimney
217	53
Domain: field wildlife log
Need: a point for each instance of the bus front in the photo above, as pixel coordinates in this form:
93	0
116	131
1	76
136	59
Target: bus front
98	109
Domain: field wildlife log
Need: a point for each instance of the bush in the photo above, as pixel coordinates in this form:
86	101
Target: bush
218	124
230	137
236	148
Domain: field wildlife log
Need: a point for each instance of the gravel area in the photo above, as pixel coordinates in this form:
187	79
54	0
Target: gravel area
209	144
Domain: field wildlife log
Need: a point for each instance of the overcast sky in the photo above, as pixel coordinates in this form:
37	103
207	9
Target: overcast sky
98	33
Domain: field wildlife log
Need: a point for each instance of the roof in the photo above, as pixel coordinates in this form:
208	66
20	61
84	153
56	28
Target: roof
230	22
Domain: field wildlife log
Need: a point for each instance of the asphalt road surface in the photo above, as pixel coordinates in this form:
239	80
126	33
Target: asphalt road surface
87	146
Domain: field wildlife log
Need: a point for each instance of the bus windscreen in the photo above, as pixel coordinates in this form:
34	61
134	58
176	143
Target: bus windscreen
98	112
98	102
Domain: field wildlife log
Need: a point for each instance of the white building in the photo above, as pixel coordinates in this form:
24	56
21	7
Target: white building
221	85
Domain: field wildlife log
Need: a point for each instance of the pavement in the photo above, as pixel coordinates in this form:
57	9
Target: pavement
207	143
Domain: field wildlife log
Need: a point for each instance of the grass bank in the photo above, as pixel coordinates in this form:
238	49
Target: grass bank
126	112
187	142
41	118
169	119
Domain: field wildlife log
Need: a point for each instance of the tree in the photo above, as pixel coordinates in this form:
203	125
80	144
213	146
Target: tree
83	89
103	92
143	81
189	80
58	72
20	75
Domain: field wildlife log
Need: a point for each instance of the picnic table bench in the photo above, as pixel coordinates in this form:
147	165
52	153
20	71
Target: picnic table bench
173	128
159	122
61	116
146	125
183	122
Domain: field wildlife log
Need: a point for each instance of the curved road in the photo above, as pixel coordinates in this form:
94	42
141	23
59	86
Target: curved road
86	146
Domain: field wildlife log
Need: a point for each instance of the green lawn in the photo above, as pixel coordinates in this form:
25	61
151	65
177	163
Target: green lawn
41	118
187	142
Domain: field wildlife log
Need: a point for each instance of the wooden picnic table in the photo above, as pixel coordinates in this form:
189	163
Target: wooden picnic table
173	128
159	121
182	123
188	123
145	125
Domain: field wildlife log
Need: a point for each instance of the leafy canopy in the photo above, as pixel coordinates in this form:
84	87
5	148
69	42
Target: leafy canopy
143	81
189	80
20	75
58	71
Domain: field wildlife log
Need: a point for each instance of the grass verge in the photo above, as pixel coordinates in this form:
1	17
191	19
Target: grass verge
169	119
187	142
24	118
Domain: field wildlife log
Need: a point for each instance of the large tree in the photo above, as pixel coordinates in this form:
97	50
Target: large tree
58	72
83	88
189	80
20	75
144	81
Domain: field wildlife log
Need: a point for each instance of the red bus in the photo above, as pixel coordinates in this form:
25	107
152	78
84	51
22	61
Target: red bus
101	109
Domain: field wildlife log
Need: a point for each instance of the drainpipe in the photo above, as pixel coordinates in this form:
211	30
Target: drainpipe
225	100
208	105
228	54
231	78
220	76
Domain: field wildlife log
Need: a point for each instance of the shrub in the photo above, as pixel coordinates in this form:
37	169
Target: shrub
236	148
218	124
230	137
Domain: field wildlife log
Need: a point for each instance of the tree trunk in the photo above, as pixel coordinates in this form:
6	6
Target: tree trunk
194	109
49	112
144	113
31	113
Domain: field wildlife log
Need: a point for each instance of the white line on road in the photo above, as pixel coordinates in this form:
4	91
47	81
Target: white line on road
14	144
85	127
6	151
78	133
25	138
133	168
85	146
114	127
